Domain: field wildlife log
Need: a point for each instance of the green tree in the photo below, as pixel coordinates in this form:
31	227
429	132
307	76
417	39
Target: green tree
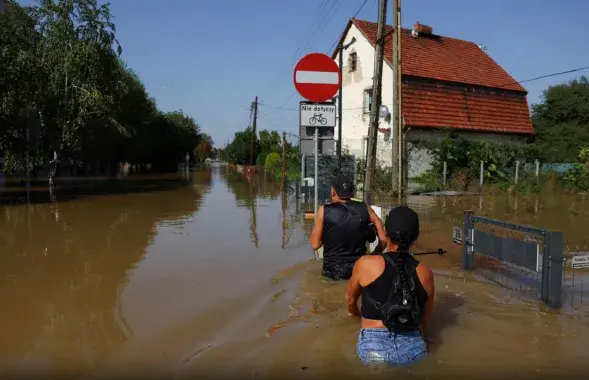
561	121
64	85
238	150
204	148
270	141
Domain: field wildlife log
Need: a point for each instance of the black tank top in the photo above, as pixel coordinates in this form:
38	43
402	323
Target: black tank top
344	232
380	288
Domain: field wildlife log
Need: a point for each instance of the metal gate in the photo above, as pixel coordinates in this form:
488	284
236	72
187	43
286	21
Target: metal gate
518	257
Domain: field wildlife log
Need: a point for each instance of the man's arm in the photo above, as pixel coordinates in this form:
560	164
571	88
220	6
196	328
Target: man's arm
354	290
316	238
426	277
382	234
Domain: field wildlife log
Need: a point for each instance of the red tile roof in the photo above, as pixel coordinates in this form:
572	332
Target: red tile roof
439	106
454	63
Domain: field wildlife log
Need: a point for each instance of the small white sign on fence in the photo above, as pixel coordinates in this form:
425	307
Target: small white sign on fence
378	212
579	262
457	235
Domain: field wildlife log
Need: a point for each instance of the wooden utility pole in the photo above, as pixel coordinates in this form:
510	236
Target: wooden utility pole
283	161
395	110
376	102
399	86
254	122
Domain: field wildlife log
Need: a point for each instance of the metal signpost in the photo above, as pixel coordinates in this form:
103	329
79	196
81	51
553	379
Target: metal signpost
317	78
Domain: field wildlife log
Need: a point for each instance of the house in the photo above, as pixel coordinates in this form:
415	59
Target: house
447	84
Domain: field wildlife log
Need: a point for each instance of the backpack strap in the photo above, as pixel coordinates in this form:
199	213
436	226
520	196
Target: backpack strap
375	303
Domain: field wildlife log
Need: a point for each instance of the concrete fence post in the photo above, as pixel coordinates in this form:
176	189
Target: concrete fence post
445	173
482	175
468	241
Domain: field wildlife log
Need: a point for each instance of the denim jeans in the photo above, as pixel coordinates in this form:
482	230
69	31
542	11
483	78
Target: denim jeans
379	346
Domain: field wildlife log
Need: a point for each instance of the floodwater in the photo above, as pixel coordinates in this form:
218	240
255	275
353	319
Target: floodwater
217	278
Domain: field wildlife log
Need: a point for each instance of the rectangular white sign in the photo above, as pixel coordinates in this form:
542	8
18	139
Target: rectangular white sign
457	235
317	115
378	212
579	262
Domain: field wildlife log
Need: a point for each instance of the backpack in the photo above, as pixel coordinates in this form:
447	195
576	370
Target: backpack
401	312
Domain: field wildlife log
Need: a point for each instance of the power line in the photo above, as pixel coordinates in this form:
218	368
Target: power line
546	76
341	35
325	12
336	41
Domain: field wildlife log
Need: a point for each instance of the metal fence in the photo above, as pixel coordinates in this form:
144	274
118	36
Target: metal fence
522	258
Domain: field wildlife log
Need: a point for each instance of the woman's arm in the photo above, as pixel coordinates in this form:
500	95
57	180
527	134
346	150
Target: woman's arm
354	290
426	277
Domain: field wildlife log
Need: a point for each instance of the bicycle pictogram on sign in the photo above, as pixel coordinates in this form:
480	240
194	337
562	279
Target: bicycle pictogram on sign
318	117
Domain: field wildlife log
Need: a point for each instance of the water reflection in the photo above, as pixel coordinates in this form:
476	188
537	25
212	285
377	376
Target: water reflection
562	212
64	264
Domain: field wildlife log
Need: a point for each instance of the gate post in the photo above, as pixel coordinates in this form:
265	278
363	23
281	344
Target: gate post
468	241
552	268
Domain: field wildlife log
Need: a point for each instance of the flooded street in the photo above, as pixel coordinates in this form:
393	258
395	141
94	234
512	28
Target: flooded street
218	278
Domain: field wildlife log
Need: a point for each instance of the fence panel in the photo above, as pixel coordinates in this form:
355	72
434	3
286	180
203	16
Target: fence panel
517	257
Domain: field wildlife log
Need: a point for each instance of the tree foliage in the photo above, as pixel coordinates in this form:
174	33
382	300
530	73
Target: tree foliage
561	121
267	148
65	86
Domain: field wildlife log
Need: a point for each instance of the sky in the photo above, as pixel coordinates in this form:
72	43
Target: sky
210	58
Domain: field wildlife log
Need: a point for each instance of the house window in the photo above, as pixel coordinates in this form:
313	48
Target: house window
352	61
367	100
364	147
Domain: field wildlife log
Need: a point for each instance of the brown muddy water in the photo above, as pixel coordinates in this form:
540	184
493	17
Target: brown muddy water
217	278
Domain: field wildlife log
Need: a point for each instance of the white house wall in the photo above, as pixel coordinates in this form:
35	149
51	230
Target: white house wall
355	122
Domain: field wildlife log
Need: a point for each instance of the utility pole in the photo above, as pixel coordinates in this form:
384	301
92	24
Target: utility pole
395	110
376	102
339	106
253	143
283	161
399	105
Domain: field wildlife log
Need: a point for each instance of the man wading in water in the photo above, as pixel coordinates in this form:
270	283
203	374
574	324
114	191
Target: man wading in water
397	296
343	227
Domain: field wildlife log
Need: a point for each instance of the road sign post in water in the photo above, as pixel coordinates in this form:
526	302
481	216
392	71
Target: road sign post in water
317	77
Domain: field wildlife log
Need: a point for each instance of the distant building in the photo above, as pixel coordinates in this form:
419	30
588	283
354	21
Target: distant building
2	6
447	83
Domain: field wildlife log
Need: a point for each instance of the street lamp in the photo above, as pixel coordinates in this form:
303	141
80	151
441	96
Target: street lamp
384	111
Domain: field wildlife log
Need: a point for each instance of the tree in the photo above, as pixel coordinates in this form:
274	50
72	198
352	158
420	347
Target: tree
561	121
238	151
65	90
204	149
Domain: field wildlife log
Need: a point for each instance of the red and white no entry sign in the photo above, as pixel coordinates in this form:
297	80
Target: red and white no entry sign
317	77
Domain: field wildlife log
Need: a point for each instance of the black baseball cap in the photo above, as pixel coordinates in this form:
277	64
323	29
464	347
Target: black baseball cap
402	220
343	186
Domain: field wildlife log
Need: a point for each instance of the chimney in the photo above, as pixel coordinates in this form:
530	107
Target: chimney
423	29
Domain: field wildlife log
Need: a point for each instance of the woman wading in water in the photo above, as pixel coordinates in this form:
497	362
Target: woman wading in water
397	296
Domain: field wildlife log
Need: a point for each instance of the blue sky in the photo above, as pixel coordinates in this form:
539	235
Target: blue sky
210	58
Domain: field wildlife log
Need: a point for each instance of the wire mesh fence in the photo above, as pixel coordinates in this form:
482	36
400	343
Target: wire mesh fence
516	264
576	277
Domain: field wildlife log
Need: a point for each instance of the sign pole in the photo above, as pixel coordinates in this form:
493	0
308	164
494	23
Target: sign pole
315	184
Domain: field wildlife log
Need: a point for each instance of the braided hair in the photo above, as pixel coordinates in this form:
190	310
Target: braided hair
403	242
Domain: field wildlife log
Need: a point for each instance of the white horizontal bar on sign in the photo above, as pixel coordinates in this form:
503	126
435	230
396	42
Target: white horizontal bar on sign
318	77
